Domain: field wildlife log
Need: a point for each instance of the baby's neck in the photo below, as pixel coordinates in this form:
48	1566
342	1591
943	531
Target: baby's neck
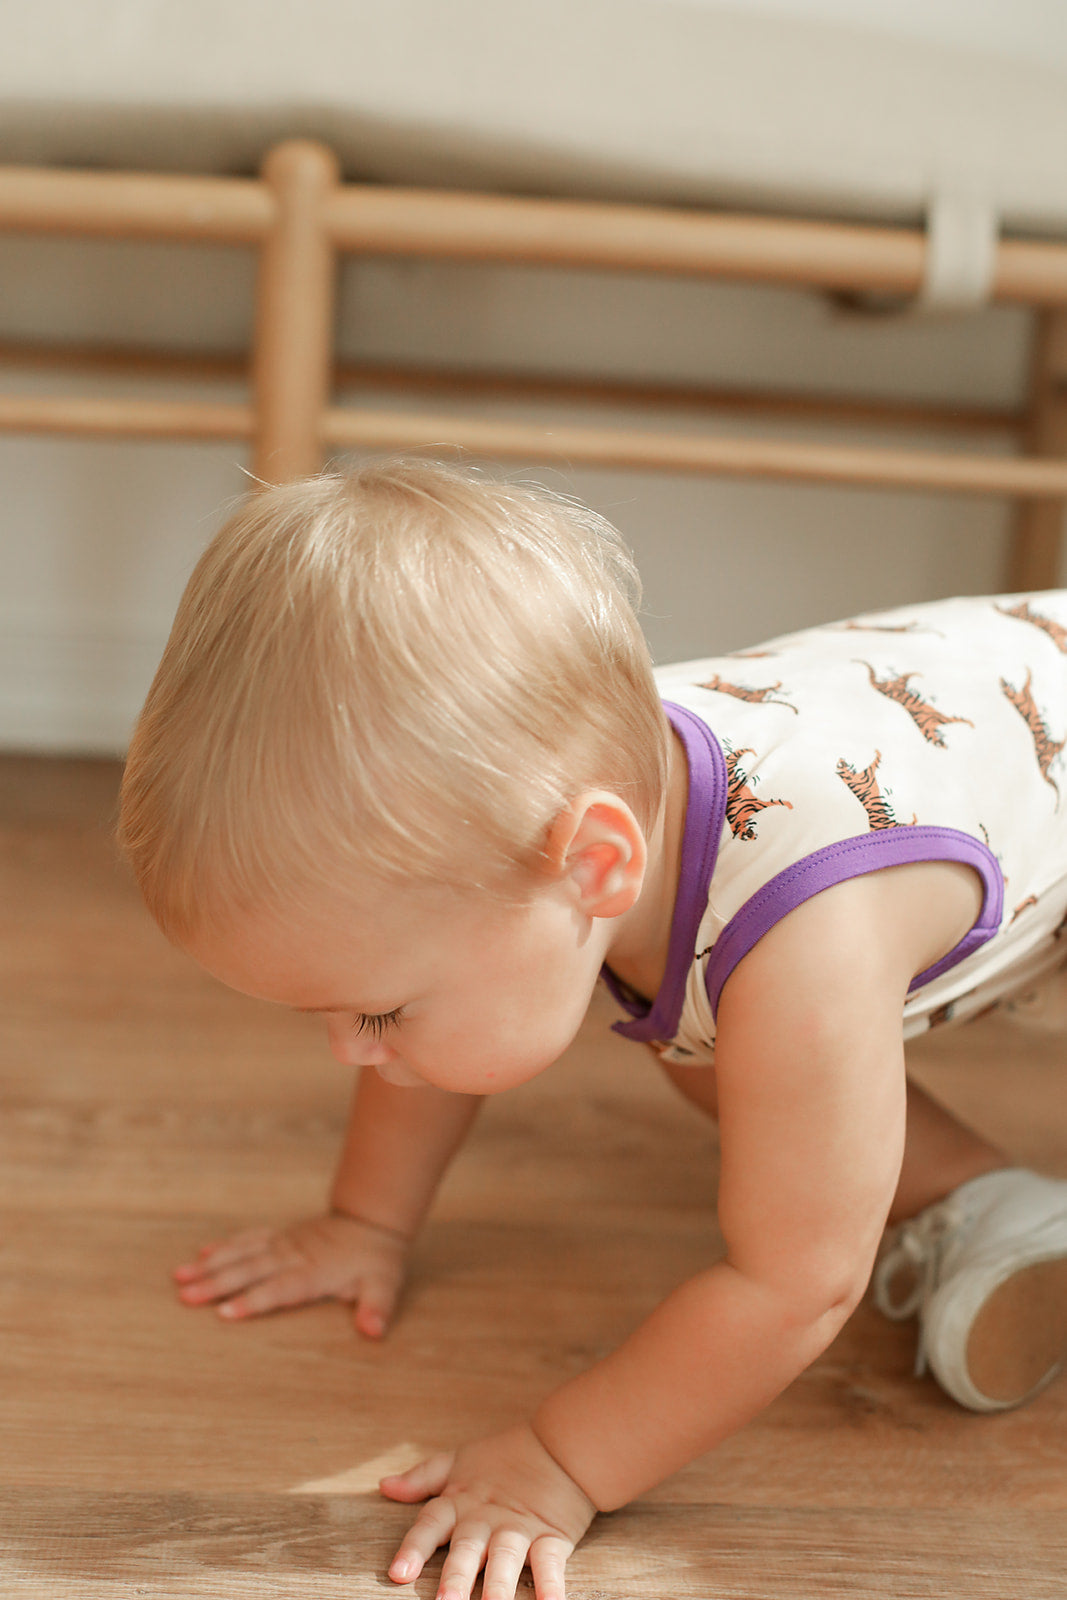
641	938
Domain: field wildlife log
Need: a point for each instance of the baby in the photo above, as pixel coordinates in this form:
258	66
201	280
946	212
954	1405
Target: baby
405	764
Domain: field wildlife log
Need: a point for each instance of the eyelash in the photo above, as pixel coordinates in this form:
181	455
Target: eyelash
376	1026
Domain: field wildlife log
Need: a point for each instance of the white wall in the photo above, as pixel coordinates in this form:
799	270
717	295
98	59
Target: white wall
1023	30
96	538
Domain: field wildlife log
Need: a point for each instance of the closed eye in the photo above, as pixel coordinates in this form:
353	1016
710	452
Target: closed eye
376	1025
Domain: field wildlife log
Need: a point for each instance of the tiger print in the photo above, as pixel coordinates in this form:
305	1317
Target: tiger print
1023	613
926	717
755	697
864	786
742	806
852	626
858	772
1045	747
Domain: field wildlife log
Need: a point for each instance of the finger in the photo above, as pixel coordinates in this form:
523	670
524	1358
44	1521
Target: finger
230	1281
464	1561
432	1527
292	1286
377	1303
429	1477
548	1561
192	1269
186	1272
368	1321
503	1565
252	1242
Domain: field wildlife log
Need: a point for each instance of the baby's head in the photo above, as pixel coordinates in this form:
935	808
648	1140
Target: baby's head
406	672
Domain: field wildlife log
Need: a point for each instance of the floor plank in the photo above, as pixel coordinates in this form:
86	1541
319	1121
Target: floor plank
149	1450
224	1546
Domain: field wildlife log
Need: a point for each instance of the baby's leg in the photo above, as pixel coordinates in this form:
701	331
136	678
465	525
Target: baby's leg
940	1153
696	1083
980	1257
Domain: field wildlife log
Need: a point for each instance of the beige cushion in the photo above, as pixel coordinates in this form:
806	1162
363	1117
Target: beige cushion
640	98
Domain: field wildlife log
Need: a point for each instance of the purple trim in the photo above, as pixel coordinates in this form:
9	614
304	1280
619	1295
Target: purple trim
852	858
704	817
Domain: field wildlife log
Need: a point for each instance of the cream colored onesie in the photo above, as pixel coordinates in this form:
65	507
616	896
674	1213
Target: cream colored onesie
935	732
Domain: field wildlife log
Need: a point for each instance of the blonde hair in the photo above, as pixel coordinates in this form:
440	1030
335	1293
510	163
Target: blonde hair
408	671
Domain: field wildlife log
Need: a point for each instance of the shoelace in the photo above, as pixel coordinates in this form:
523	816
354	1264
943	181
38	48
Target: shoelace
919	1246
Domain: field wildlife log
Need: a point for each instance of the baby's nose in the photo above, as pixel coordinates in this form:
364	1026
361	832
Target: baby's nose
354	1047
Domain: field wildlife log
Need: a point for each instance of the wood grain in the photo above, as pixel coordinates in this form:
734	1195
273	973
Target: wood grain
226	1546
150	1450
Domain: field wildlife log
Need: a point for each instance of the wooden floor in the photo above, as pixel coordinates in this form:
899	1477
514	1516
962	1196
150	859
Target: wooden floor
149	1450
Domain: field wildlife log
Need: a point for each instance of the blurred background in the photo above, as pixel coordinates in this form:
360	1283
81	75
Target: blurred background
833	108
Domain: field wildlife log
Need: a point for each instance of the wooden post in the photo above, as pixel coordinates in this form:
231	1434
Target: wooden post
293	354
1037	544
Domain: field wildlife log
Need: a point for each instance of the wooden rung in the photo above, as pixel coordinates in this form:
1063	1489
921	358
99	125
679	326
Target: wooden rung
1025	477
660	239
807	407
597	234
740	458
233	367
149	419
134	205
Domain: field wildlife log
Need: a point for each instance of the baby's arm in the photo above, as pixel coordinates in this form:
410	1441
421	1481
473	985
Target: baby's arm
811	1090
397	1146
811	1086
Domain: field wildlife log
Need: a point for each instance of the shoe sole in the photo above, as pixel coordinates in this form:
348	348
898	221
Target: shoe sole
1018	1340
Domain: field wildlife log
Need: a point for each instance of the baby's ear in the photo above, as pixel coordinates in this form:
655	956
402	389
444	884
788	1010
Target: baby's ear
598	844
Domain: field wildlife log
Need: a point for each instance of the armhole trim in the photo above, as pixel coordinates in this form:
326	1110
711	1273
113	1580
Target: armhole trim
853	858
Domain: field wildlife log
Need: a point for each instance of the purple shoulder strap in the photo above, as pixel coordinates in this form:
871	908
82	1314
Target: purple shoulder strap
704	816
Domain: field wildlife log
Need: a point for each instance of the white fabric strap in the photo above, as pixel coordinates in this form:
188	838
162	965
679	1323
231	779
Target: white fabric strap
961	251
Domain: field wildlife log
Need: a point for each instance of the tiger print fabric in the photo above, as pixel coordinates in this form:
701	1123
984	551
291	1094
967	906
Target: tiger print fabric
935	731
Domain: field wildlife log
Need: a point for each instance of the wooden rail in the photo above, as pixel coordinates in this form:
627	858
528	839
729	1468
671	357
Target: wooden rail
377	220
726	457
299	217
102	416
959	473
135	205
183	366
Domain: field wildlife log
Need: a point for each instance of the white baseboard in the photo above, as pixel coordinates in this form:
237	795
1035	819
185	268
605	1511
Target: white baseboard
73	686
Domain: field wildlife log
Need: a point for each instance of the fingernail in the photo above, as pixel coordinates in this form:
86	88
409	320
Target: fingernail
402	1570
229	1310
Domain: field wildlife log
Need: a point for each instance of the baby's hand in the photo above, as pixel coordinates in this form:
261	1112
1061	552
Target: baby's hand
500	1503
331	1257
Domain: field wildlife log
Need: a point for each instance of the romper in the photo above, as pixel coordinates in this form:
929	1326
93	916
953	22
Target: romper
934	732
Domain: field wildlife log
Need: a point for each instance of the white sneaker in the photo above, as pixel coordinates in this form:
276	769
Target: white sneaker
989	1271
